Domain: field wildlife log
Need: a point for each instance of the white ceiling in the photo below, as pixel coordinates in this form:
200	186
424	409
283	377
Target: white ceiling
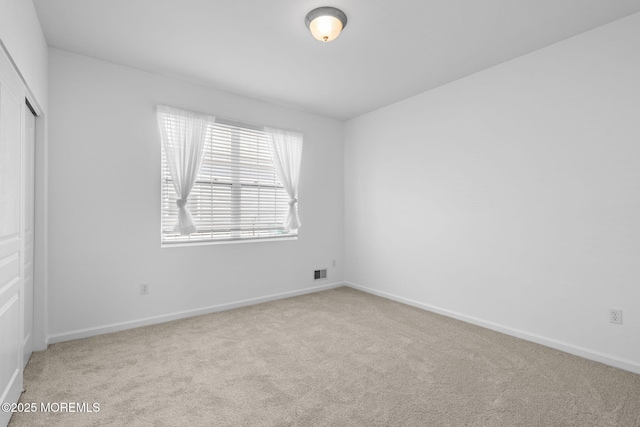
389	50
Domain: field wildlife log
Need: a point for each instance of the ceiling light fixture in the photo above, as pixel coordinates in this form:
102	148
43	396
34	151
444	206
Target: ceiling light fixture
325	23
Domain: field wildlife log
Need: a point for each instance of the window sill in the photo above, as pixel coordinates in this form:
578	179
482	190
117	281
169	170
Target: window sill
226	242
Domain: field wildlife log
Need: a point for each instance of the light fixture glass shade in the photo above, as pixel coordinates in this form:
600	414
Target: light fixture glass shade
326	23
325	28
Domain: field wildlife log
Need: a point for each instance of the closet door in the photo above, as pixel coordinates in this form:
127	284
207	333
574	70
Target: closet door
12	210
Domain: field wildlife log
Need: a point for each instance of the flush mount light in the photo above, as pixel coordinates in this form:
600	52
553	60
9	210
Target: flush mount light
325	23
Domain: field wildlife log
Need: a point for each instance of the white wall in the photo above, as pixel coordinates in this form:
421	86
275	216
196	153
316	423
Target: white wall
104	210
511	198
22	36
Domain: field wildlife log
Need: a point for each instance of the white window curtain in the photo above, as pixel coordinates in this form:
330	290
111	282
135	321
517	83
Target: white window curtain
286	154
183	136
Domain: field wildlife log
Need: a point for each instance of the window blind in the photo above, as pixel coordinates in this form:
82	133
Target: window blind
237	194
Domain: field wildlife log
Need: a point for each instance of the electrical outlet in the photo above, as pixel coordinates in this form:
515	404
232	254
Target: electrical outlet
615	316
144	288
333	263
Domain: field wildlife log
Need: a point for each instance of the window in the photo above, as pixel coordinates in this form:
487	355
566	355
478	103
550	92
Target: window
236	195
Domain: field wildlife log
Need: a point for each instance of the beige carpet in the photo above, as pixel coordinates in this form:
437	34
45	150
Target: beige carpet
334	358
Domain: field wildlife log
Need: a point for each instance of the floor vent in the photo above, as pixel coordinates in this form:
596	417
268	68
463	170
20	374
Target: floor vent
320	274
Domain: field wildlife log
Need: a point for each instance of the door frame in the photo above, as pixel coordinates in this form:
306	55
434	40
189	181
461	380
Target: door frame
40	271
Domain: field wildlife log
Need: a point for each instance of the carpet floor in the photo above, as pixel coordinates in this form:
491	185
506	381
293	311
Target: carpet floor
334	358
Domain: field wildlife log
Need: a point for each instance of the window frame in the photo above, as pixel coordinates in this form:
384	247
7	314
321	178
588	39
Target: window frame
169	200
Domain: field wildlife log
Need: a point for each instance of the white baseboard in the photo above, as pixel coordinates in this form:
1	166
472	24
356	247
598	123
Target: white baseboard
607	359
597	356
121	326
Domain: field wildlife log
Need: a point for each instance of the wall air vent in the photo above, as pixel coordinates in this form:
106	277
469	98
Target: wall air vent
320	274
